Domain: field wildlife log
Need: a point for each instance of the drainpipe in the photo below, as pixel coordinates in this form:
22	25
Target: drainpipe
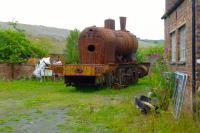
193	53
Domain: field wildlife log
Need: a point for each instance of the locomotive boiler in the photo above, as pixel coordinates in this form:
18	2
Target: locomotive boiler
107	58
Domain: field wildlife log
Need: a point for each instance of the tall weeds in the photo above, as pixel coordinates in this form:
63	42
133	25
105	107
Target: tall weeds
160	78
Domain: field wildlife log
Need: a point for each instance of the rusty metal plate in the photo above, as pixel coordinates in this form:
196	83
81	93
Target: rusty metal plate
86	69
57	69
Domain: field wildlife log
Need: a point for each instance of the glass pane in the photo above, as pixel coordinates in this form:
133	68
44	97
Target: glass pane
182	43
173	43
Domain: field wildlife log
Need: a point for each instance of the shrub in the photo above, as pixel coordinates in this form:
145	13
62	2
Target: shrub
15	47
161	83
72	51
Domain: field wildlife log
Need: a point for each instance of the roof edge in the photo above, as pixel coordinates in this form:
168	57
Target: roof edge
172	9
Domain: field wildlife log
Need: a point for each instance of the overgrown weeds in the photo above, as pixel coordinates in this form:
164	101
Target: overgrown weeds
160	79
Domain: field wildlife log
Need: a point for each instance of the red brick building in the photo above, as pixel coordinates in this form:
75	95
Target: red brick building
182	43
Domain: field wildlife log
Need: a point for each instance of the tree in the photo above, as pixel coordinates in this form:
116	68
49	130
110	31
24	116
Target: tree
15	27
72	51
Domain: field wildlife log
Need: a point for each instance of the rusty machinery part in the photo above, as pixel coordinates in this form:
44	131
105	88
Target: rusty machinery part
105	45
143	69
116	86
57	69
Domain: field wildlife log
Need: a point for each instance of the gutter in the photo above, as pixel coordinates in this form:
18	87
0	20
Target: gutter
194	53
172	9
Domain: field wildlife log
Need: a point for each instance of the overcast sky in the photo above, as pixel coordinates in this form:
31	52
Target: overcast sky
143	16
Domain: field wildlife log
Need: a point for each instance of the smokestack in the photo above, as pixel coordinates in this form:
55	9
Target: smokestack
109	24
123	23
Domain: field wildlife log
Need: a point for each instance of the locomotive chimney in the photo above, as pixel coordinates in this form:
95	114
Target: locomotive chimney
109	24
123	23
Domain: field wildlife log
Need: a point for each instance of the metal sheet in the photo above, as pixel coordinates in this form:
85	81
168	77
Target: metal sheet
86	69
179	93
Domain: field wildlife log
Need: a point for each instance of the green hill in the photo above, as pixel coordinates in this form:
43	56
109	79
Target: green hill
149	43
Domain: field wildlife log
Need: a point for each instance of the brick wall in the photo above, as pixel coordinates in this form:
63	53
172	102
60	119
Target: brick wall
7	71
23	70
169	4
181	16
198	43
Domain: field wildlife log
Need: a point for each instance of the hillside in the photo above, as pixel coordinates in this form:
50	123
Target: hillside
49	38
53	39
149	43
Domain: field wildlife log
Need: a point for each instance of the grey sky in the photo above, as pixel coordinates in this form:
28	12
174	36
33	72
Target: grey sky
143	16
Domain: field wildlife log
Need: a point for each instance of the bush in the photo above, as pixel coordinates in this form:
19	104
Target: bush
162	84
72	51
15	47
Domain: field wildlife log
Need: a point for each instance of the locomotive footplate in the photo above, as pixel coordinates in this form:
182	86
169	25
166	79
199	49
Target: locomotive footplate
86	74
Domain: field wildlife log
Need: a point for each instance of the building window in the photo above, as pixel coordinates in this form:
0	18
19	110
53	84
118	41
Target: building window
173	47
182	44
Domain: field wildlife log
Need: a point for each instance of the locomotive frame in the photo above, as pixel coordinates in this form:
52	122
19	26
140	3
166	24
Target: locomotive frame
116	76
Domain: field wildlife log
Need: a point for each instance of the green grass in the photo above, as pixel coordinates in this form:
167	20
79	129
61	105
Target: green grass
88	110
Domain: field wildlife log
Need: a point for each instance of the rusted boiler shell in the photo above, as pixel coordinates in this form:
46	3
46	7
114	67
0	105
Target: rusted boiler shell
95	44
101	45
127	43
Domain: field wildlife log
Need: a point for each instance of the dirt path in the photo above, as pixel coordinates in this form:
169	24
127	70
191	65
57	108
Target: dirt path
36	121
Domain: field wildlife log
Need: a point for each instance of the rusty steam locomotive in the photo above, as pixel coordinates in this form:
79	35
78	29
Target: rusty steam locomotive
107	58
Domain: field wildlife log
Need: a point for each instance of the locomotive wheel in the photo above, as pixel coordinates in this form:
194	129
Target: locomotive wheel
101	81
116	86
109	79
136	78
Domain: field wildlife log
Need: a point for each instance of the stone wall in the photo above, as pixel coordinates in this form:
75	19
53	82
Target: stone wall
16	71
